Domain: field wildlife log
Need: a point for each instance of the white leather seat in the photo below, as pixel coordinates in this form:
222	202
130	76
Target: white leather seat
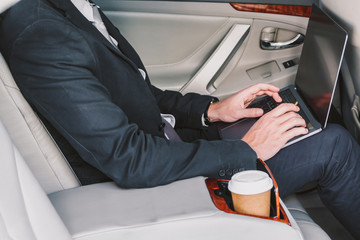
309	229
181	210
25	210
31	138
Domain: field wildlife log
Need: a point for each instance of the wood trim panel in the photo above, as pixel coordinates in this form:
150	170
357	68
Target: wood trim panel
301	11
220	203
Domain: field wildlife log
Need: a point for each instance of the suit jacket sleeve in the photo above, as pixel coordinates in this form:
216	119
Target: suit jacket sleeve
56	71
187	109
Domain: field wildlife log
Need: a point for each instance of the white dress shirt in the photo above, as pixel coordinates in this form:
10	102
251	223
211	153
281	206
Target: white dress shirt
91	12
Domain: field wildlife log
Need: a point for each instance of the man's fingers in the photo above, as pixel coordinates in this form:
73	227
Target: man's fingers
288	116
284	108
288	119
269	93
256	89
296	131
276	97
292	123
265	89
251	113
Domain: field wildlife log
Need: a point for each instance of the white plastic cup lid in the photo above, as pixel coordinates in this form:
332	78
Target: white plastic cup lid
250	182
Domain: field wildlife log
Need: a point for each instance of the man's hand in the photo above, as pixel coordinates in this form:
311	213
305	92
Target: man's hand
234	108
272	131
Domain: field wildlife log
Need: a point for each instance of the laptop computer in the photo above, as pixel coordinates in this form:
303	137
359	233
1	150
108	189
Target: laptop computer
315	81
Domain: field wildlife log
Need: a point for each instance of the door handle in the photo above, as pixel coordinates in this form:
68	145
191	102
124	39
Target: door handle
270	45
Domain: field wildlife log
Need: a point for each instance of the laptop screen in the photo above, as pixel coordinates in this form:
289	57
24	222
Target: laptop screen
320	63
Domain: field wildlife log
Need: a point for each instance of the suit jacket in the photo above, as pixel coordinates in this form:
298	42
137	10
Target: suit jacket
95	96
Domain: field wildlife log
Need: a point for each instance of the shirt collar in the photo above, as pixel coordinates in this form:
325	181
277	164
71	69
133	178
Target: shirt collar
85	8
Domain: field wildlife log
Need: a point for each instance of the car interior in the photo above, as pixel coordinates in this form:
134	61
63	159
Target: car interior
208	47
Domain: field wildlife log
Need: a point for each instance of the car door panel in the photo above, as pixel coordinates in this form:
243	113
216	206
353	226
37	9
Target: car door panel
176	40
236	75
170	50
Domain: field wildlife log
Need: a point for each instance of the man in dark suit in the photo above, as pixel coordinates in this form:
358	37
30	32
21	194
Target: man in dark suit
96	96
93	88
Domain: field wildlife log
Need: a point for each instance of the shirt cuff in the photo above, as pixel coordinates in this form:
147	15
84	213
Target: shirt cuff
204	118
203	121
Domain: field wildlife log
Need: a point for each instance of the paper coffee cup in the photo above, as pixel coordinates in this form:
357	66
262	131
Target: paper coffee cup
250	191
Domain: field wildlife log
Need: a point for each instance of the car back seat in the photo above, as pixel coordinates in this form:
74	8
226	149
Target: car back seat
27	213
31	138
181	210
51	168
25	209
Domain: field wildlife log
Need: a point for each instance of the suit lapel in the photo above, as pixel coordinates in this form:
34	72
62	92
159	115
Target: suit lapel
124	45
75	16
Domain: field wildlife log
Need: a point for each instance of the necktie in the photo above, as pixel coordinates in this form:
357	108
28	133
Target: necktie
99	24
170	132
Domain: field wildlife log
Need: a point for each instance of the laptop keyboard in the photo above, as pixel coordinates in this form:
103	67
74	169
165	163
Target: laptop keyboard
268	104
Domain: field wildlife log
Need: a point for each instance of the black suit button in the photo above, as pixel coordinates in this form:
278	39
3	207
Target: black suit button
228	172
222	173
161	126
